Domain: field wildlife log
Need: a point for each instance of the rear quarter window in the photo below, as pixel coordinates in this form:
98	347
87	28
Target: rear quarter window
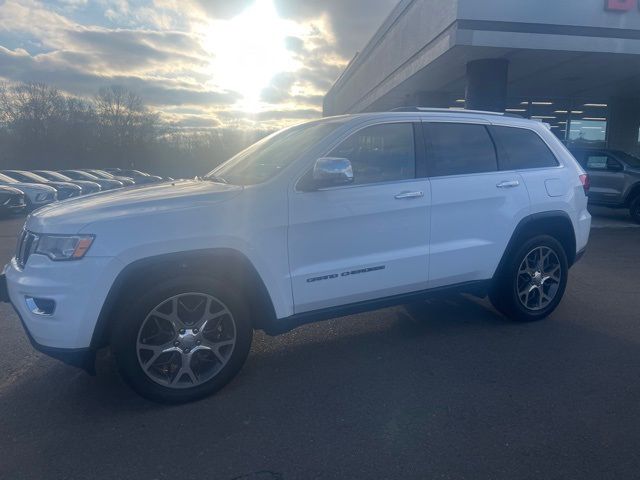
520	148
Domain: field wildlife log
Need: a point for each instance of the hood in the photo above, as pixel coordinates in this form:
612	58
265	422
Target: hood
5	189
125	180
85	183
107	182
70	216
67	185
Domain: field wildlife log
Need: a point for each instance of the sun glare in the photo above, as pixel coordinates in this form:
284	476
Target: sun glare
248	51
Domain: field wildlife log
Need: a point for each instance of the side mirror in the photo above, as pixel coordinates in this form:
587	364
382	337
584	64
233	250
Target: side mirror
332	172
614	166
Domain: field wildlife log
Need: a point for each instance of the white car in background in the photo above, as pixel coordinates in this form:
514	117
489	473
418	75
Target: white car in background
324	219
36	195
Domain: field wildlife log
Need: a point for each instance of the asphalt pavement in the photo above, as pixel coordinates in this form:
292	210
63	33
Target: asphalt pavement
447	390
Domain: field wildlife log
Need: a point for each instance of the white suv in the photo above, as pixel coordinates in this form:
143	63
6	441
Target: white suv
328	218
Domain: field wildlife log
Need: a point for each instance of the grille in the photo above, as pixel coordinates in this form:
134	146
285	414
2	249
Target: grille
16	200
26	245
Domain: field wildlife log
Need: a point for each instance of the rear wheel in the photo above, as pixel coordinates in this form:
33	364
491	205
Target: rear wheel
532	284
182	340
634	209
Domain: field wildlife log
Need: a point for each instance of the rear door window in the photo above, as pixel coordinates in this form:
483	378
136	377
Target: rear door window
459	149
521	149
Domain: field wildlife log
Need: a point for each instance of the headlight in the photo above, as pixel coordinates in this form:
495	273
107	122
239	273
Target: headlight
41	197
64	247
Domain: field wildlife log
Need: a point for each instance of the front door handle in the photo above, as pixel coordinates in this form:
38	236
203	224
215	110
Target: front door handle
403	195
508	184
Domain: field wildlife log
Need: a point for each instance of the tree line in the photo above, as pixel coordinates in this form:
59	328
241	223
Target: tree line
43	128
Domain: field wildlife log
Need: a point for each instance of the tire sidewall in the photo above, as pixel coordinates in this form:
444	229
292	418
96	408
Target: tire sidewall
634	209
135	311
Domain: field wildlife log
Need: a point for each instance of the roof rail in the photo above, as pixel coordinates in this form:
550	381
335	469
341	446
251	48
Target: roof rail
454	110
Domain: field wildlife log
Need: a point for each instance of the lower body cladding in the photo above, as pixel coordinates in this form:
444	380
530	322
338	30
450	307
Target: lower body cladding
59	303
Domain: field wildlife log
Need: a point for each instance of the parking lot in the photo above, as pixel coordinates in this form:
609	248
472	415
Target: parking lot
449	389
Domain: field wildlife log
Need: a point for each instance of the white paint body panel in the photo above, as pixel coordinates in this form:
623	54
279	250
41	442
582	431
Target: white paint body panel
338	231
471	223
455	232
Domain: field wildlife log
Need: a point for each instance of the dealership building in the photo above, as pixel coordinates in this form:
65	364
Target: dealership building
574	64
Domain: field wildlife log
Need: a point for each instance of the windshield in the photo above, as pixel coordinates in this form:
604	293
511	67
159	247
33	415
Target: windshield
268	157
26	176
134	173
102	174
5	179
53	176
629	159
78	175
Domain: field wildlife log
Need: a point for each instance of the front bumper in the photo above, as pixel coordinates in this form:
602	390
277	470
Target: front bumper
77	289
83	358
13	207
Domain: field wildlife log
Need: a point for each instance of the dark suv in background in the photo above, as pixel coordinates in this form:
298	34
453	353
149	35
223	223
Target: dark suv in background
615	178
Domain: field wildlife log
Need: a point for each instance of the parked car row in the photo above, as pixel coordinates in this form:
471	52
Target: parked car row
22	190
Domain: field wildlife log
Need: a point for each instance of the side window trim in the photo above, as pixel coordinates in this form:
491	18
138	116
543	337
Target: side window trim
501	153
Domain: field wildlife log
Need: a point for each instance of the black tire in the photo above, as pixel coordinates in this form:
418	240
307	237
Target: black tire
136	308
504	292
634	209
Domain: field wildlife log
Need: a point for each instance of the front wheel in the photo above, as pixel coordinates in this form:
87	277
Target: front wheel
532	284
182	340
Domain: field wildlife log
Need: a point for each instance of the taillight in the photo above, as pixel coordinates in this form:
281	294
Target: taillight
586	183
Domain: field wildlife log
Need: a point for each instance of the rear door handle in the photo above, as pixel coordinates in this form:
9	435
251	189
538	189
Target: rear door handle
508	184
403	195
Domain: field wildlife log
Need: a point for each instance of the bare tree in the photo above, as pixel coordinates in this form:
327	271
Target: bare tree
31	111
42	128
125	126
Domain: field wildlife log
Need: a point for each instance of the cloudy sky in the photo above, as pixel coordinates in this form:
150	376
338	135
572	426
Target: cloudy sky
200	63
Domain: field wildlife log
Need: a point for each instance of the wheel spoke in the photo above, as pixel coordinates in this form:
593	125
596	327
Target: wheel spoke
215	347
526	290
185	369
540	297
544	254
209	317
172	317
554	273
157	350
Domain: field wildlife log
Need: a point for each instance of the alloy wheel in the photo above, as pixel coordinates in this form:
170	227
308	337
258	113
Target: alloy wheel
538	278
186	340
